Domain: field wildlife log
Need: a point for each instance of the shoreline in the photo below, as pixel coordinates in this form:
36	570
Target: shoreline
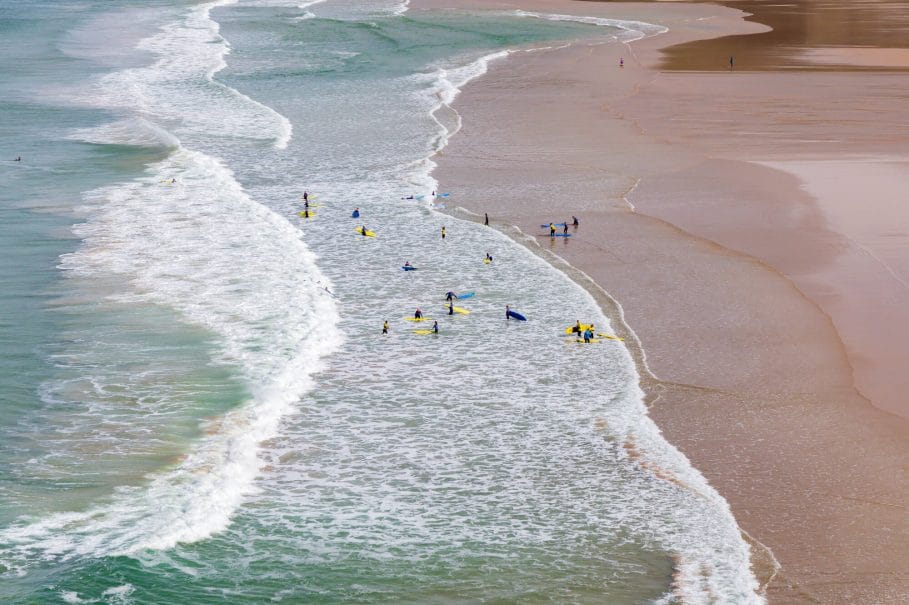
788	413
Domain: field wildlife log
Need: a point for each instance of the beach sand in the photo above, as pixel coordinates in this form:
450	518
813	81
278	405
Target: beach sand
750	224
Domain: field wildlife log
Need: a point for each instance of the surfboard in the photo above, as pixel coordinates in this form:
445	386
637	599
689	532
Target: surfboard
460	310
311	197
406	268
561	235
418	319
355	214
487	261
516	315
303	214
572	329
467	295
554	224
423	332
581	340
368	232
610	336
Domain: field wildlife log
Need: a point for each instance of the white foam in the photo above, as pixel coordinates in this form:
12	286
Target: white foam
226	263
634	30
128	131
179	92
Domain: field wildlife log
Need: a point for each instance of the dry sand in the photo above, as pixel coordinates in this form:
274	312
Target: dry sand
752	226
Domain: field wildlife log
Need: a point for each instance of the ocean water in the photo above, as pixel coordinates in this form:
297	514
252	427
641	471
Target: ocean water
197	404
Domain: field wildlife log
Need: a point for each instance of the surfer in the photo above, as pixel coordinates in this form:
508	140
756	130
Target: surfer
306	204
407	263
488	257
356	212
486	218
551	230
574	221
565	228
587	335
18	158
306	212
507	312
435	327
450	308
577	327
443	228
385	327
450	295
418	314
306	196
363	230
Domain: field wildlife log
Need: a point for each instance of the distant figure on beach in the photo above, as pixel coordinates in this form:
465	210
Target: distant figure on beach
435	327
486	218
450	295
574	221
385	327
551	230
621	62
418	314
443	228
731	61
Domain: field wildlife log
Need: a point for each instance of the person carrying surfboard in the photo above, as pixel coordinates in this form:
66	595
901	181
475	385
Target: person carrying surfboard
488	257
363	230
551	230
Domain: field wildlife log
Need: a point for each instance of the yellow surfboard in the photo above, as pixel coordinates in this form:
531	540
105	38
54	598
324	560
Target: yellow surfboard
418	319
573	329
303	214
423	332
609	336
460	310
368	232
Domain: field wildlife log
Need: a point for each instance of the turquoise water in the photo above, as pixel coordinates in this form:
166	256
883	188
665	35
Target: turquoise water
198	405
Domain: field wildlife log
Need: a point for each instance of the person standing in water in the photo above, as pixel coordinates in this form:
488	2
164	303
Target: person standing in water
306	196
488	257
574	221
385	327
418	314
565	228
443	232
551	230
507	312
449	296
363	230
486	218
450	308
435	327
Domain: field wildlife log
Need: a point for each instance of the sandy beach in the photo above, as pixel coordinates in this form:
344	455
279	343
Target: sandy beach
748	226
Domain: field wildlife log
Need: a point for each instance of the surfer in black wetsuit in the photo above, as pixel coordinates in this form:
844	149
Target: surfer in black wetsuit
418	314
486	218
450	295
306	196
488	257
574	221
565	228
450	308
435	327
363	230
507	312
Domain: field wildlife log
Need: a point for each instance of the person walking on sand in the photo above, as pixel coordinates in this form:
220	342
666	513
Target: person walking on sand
731	61
385	327
443	232
486	218
551	230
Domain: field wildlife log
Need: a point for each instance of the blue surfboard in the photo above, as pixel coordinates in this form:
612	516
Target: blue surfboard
467	295
516	315
355	214
409	268
555	224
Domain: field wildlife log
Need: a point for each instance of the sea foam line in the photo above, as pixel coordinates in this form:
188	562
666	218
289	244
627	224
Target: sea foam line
635	29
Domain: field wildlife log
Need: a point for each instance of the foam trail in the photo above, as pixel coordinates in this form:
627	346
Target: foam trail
179	89
635	30
204	248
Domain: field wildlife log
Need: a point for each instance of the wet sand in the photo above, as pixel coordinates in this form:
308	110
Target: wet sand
720	210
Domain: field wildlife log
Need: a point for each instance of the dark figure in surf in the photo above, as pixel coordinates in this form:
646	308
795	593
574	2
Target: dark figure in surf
435	327
488	257
305	196
731	62
385	327
443	228
486	218
418	314
451	308
565	228
507	312
450	295
363	230
18	158
574	221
